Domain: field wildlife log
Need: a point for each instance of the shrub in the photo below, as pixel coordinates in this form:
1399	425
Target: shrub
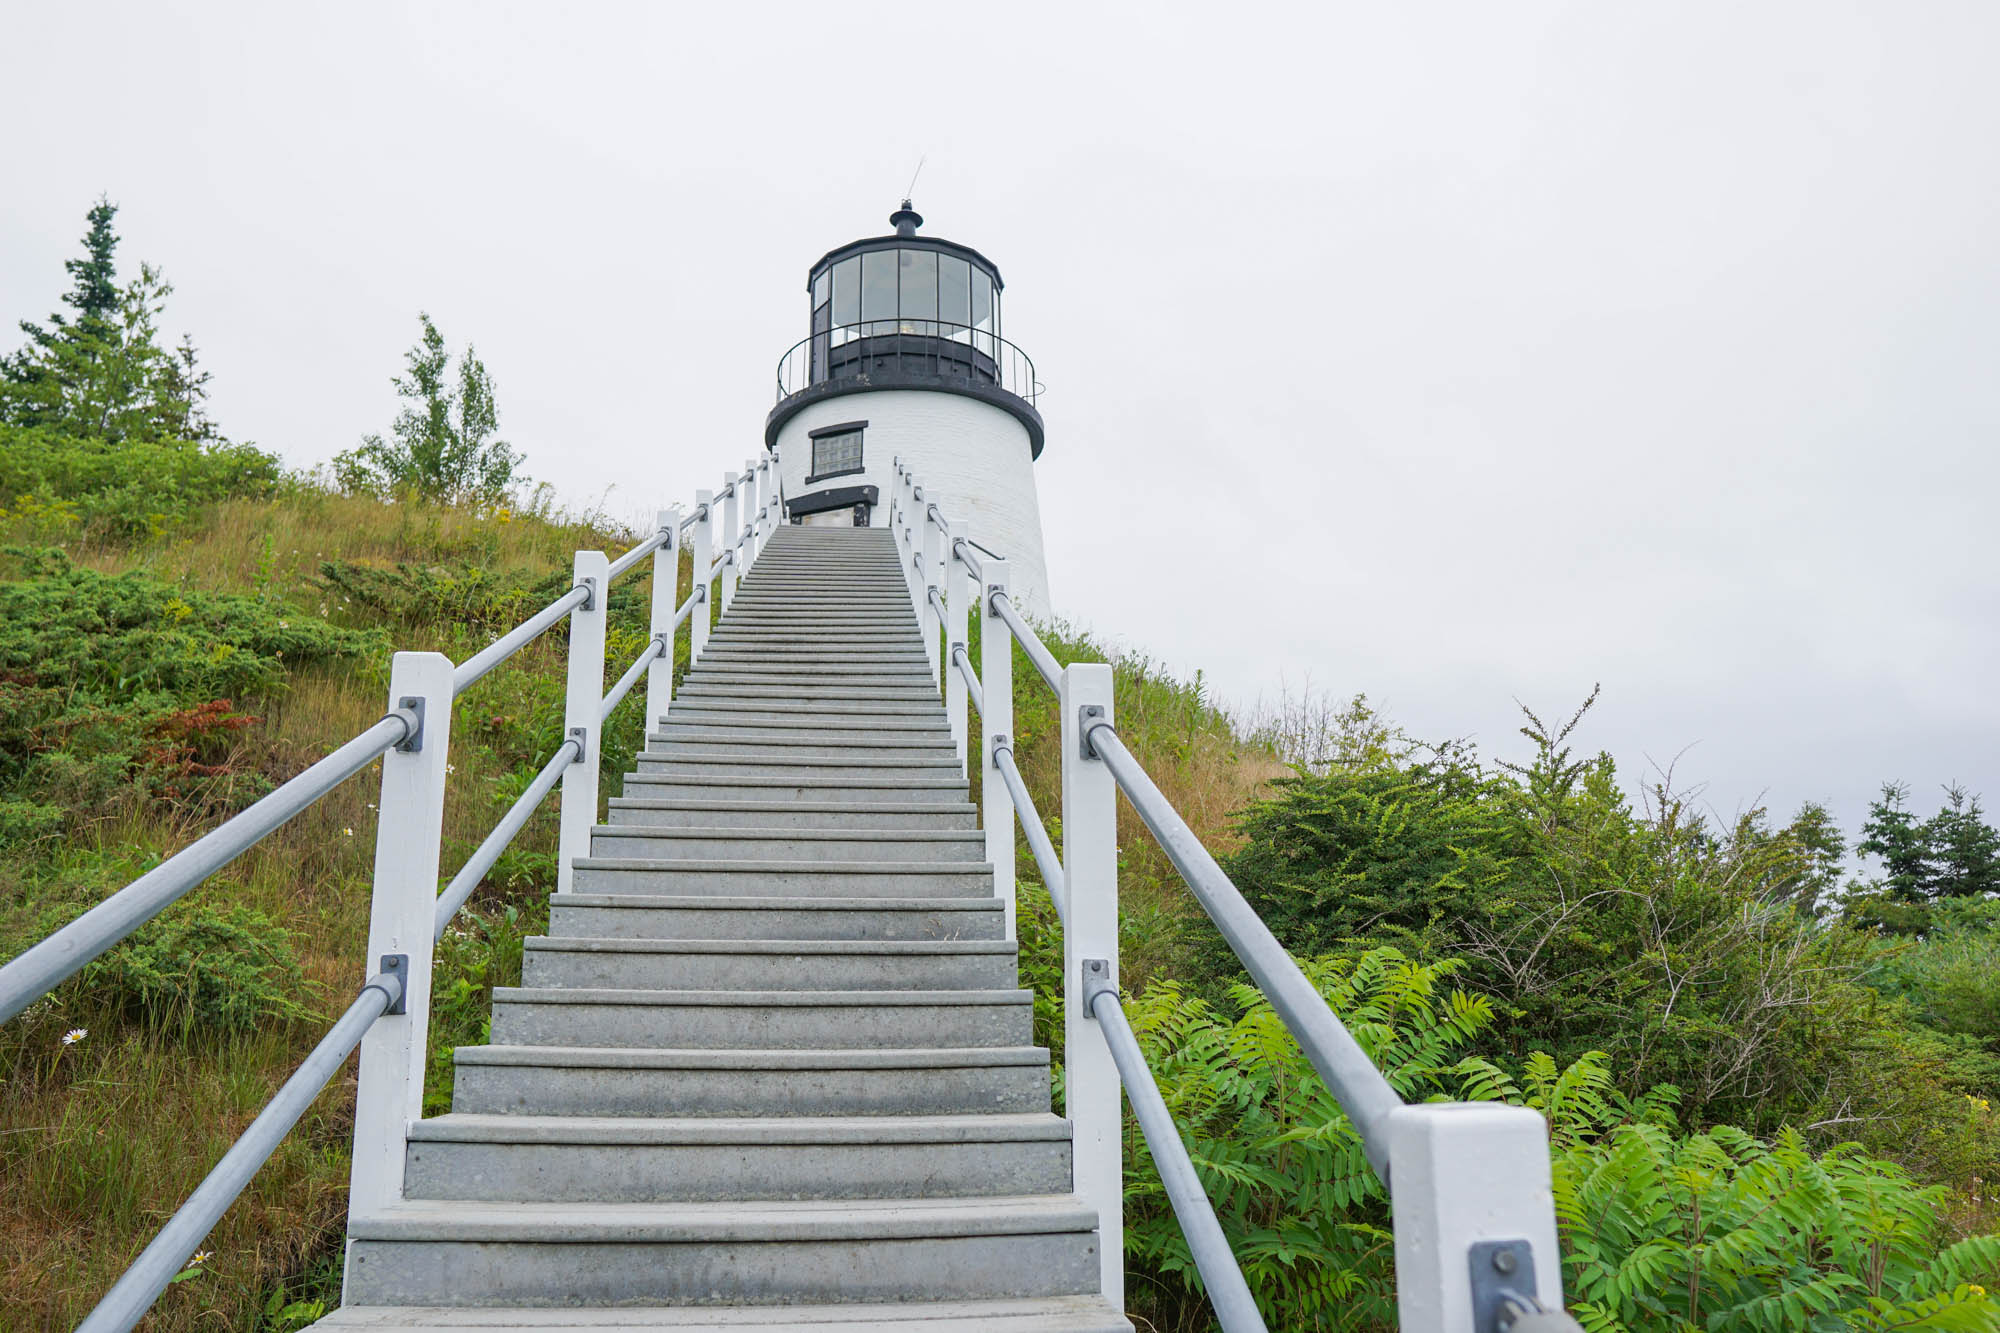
1725	1231
126	490
198	968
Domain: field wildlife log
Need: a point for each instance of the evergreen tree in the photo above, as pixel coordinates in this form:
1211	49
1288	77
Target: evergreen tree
1953	854
100	372
1818	848
442	446
1964	848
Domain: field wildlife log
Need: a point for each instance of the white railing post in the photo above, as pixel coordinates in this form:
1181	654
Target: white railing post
933	550
582	716
1090	940
906	511
996	727
704	556
401	916
733	487
752	515
1470	1185
666	601
957	589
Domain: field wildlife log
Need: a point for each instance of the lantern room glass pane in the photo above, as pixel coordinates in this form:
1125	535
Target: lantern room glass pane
982	301
820	285
849	291
920	289
954	293
878	286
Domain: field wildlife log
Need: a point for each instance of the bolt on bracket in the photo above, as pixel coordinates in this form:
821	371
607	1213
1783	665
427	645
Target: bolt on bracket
1503	1283
414	742
1087	715
397	965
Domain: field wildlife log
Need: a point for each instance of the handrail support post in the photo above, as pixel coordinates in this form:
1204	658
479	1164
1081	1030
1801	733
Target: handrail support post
996	725
958	587
733	487
752	516
666	603
704	560
583	717
1462	1176
402	906
1090	880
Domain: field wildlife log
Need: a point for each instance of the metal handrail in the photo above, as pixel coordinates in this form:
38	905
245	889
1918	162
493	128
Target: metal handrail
134	1293
1349	1074
1038	652
473	872
963	661
930	341
1228	1294
45	965
1032	827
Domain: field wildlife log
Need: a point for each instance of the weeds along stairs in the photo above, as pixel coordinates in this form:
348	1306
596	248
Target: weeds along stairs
771	1067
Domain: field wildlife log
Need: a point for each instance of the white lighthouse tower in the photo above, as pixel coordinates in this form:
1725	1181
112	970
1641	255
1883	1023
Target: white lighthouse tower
905	362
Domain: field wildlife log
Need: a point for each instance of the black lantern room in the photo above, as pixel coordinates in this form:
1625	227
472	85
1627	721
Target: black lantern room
906	311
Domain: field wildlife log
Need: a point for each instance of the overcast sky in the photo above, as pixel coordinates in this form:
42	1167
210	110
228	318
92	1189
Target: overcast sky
1458	354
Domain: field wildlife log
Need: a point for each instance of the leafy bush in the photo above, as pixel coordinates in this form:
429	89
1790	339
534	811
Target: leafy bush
1725	1231
125	490
231	970
1282	1164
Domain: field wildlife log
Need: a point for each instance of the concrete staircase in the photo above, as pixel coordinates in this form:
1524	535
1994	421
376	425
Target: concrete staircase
771	1068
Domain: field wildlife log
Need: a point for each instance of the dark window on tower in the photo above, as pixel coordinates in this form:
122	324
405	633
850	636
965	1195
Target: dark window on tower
836	451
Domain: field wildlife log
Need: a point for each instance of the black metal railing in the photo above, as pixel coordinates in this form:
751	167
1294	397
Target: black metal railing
927	349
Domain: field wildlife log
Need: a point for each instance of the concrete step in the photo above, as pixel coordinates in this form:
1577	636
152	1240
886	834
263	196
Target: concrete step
624	1159
605	1081
798	786
632	812
702	744
765	965
786	1020
716	761
748	621
906	704
829	684
754	671
913	695
790	639
713	917
793	654
813	846
754	718
467	1252
794	879
1050	1314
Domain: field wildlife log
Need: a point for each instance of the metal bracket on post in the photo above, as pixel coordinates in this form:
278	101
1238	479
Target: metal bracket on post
1096	980
589	586
1503	1272
414	742
1087	717
397	965
581	735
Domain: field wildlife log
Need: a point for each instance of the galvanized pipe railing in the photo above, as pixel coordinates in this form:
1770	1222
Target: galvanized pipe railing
1461	1176
408	839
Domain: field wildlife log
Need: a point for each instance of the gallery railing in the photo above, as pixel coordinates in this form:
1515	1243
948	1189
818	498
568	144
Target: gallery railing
926	349
389	1018
1468	1182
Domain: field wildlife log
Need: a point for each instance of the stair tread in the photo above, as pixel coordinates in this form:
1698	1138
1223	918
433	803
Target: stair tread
781	999
477	1220
769	867
468	1127
784	948
1052	1314
761	902
843	1057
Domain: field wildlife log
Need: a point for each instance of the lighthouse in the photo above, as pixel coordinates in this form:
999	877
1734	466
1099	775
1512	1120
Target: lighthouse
905	360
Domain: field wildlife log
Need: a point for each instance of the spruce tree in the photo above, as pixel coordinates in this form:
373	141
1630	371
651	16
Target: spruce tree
1893	834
